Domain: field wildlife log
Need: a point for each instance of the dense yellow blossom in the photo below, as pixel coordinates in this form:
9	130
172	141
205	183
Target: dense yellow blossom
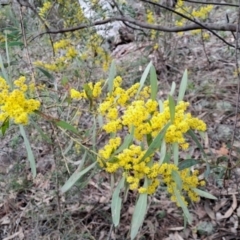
200	13
123	108
95	88
14	104
44	9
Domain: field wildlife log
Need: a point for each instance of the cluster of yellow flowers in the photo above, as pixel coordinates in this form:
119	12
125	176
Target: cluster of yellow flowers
95	89
44	9
201	13
126	108
151	20
66	53
136	169
143	114
14	104
95	51
66	50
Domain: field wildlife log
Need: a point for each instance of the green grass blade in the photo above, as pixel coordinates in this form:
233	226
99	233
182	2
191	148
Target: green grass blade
116	203
76	176
31	158
182	205
138	215
183	86
204	194
144	77
153	82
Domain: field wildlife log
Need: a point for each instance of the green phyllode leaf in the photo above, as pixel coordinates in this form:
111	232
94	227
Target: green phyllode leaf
67	126
144	77
138	215
187	164
46	73
195	139
172	108
127	141
153	82
77	175
182	205
204	194
112	75
116	204
177	179
183	86
31	158
156	143
5	126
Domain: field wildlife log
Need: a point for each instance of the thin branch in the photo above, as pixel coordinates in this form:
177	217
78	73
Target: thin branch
201	25
213	3
207	26
122	14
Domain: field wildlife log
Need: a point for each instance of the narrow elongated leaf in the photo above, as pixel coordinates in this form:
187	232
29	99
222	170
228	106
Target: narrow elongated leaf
156	143
195	139
5	126
76	176
144	77
4	73
182	205
175	153
67	126
88	91
163	151
160	104
116	204
177	179
6	49
172	89
171	108
204	194
153	82
112	75
13	44
127	141
183	86
46	73
31	158
43	135
138	215
94	134
187	163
